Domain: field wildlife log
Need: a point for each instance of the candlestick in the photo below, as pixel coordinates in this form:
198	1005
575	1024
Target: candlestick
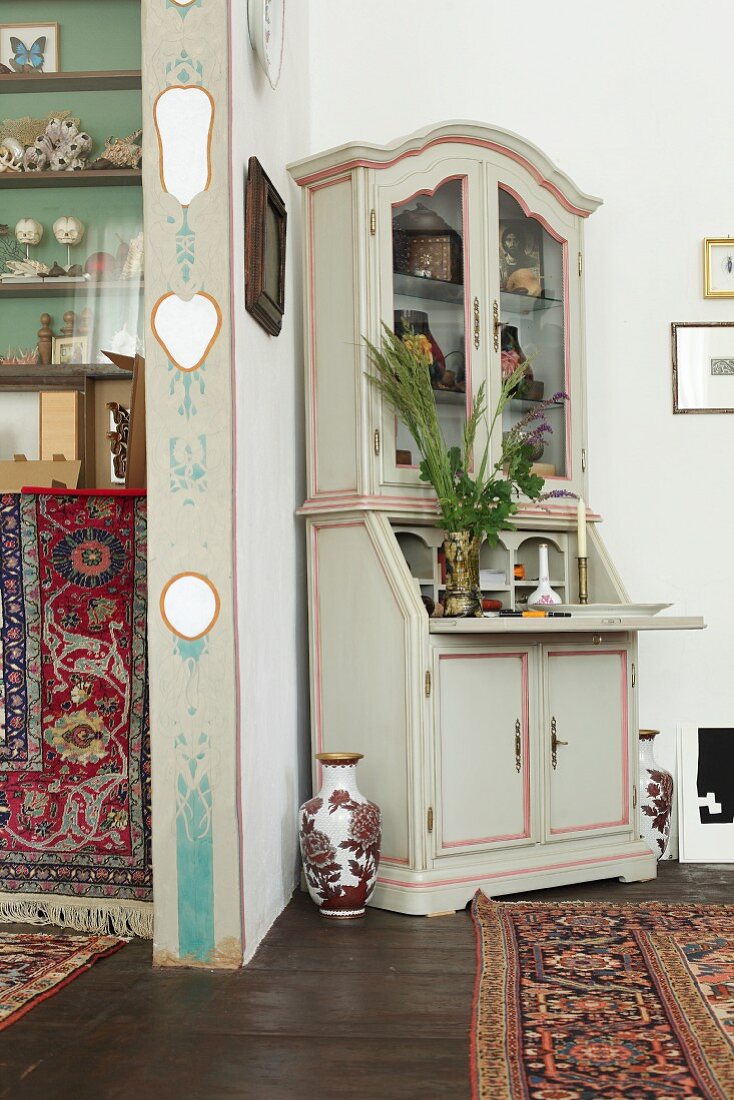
583	580
581	528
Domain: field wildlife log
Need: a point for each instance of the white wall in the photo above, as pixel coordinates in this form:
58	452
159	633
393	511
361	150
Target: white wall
272	125
633	102
19	425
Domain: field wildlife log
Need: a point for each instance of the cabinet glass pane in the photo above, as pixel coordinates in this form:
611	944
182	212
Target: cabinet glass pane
533	325
428	296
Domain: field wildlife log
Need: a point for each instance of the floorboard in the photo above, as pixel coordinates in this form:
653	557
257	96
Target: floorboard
373	1009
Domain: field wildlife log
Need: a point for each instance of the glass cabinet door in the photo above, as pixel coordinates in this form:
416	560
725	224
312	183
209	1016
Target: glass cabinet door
429	294
531	320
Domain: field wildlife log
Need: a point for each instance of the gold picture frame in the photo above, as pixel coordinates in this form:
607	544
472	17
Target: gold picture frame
70	351
718	267
28	34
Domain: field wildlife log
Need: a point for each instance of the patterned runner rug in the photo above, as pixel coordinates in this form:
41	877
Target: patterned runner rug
34	967
589	1001
74	736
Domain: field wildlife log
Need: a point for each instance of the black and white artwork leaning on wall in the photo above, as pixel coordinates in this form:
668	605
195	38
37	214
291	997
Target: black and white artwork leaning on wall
706	794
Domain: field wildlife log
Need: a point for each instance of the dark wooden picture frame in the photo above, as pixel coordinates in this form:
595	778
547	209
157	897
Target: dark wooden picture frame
265	241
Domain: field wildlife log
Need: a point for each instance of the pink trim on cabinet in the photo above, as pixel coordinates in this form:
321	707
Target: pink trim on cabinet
510	874
625	819
348	166
523	657
350	500
312	336
566	321
318	716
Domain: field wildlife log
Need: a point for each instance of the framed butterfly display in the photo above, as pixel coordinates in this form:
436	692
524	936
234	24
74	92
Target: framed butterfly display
31	49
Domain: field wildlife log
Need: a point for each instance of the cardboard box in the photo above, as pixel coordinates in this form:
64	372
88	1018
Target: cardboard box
56	474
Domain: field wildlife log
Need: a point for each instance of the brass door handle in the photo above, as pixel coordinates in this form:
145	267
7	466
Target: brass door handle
496	324
518	746
555	742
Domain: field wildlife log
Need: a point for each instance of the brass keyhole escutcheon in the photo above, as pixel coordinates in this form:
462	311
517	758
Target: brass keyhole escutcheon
555	743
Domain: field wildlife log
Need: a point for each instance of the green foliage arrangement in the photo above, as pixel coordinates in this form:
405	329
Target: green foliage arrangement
483	503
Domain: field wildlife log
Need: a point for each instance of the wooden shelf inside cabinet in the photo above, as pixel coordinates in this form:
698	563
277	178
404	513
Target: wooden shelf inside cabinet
50	289
54	377
112	177
118	80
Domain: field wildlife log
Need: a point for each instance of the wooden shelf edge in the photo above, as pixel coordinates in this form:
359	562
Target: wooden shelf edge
50	289
80	81
117	177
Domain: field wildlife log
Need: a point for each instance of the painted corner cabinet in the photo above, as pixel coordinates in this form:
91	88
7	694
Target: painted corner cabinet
501	751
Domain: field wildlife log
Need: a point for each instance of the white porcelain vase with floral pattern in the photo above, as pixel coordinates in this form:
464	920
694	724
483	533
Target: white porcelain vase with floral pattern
543	595
656	797
339	831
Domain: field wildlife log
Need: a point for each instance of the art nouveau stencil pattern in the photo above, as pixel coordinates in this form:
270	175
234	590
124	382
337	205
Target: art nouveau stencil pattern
188	383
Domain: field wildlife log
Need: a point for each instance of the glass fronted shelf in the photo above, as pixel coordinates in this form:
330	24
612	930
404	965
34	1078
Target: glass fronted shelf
429	299
533	326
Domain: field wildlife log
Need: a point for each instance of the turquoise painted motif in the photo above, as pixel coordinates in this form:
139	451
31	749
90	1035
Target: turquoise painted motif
188	466
194	848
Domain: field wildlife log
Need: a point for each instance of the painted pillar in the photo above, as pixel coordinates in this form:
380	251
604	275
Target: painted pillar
186	172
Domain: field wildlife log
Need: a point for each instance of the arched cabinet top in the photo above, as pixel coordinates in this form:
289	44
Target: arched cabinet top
344	158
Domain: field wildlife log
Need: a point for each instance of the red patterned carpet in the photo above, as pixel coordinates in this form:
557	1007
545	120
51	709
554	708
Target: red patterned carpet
34	967
591	1001
74	730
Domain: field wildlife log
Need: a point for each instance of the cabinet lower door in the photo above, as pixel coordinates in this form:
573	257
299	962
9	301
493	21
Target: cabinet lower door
482	750
587	740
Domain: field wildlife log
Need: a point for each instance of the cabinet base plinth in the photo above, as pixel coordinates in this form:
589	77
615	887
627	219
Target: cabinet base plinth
422	893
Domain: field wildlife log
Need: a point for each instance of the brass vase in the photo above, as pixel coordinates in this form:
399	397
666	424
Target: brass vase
463	597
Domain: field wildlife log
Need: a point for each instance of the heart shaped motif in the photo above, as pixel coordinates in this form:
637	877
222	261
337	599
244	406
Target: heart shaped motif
190	605
186	329
184	119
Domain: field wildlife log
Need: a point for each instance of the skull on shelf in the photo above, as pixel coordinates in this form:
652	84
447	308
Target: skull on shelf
28	231
69	230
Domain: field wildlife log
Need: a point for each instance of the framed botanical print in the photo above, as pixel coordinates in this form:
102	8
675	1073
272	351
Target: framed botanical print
703	366
30	48
706	794
265	238
718	267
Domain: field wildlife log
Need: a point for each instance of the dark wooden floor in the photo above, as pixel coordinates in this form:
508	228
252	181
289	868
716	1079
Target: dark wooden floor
373	1009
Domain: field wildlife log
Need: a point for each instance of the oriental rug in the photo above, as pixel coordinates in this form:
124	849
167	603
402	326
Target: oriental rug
578	1001
34	967
75	811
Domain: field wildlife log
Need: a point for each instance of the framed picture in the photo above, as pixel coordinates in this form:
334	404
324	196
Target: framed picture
706	794
70	350
718	267
265	237
703	366
30	48
521	253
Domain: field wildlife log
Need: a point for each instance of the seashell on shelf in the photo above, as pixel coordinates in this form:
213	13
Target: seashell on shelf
27	268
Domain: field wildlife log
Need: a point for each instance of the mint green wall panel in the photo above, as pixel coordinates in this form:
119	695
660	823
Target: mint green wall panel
95	34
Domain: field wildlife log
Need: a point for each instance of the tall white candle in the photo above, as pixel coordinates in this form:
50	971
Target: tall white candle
581	516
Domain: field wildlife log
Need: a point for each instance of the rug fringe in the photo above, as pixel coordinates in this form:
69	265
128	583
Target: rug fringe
102	915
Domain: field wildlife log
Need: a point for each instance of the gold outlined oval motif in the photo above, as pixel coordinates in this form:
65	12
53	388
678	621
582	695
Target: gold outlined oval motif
184	305
212	617
183	190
